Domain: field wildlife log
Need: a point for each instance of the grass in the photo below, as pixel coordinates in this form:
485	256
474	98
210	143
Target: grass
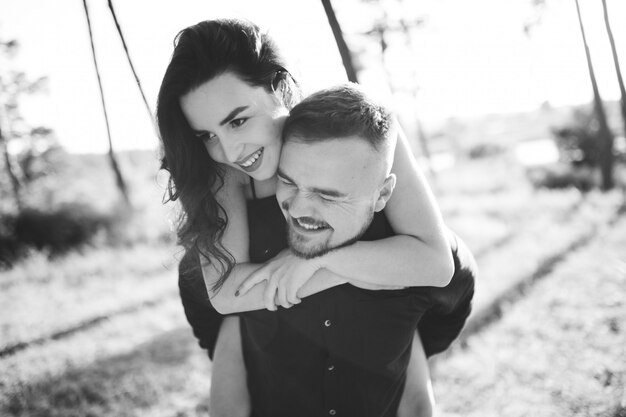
558	351
45	296
539	239
40	297
141	363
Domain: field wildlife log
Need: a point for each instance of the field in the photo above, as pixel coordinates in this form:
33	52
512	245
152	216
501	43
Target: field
559	351
100	332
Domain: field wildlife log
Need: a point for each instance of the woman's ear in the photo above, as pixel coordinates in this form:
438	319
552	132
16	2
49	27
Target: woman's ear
384	194
286	89
283	92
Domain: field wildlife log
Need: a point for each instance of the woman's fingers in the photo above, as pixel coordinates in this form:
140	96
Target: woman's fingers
270	294
282	277
255	278
292	294
282	295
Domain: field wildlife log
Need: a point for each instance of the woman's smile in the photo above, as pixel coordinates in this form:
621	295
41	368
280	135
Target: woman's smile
252	161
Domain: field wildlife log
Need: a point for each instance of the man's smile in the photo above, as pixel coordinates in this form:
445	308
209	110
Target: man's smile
307	225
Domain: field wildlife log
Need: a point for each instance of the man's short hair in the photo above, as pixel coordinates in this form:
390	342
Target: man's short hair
338	112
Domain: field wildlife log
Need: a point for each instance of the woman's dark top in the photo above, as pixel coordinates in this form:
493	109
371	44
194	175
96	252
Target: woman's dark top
343	351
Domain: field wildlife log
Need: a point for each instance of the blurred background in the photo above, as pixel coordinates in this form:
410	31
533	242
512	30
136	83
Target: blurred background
515	110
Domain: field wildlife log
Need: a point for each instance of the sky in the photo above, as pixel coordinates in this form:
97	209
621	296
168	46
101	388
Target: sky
468	58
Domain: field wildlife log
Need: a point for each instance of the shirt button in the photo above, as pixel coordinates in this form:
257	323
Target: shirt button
331	367
327	323
332	412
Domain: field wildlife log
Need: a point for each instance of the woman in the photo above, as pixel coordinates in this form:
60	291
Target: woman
222	103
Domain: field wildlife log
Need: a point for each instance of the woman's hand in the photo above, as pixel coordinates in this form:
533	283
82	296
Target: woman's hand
285	275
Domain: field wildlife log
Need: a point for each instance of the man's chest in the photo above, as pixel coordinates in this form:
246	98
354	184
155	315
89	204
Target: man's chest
368	330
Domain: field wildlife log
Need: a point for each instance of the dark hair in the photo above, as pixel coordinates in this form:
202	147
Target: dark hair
337	112
202	52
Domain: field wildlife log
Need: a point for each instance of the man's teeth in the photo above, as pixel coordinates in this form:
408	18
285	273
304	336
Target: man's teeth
252	159
308	226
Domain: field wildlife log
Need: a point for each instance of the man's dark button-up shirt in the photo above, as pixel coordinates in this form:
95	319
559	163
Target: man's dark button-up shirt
343	351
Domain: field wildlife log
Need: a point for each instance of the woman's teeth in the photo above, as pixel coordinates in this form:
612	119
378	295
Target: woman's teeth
248	162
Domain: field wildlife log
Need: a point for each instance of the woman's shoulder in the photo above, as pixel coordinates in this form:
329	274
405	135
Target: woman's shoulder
233	185
238	184
265	188
235	178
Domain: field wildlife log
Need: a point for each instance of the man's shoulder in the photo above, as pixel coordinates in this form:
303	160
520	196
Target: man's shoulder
379	228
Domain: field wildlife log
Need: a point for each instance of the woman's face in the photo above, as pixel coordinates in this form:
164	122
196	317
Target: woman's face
240	125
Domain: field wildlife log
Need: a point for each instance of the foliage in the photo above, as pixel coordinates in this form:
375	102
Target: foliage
56	231
61	229
26	149
83	194
578	141
560	176
48	200
483	150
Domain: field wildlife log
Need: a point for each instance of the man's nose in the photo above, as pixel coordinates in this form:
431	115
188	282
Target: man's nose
299	205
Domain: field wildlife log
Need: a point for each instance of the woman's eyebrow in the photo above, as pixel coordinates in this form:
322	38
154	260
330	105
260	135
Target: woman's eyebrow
232	114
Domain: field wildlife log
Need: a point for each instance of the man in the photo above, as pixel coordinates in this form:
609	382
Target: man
343	351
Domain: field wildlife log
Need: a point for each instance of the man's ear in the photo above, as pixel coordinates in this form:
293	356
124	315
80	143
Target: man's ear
385	192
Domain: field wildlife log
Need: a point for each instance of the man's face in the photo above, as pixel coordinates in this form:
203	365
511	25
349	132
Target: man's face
328	192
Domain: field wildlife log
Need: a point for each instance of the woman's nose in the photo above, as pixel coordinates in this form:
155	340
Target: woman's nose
232	150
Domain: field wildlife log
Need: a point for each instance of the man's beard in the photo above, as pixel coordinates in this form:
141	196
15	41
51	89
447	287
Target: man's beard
298	246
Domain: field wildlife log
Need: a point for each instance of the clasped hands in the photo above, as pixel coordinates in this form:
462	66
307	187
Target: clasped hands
286	274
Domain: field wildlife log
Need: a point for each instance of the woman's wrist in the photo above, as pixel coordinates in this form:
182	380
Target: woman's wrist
339	261
316	263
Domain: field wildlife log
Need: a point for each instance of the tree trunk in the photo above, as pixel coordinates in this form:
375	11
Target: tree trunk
119	179
605	135
618	71
346	57
130	62
15	183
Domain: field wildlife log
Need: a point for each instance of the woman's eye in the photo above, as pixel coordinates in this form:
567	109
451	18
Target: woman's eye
284	181
206	136
237	122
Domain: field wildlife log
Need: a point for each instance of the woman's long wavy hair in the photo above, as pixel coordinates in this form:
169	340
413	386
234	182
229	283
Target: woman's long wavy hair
202	52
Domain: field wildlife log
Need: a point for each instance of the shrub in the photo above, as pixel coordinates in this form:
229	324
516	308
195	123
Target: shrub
483	150
10	251
559	176
59	230
579	140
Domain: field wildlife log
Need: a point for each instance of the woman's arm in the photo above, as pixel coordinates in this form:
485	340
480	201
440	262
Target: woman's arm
236	240
419	254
